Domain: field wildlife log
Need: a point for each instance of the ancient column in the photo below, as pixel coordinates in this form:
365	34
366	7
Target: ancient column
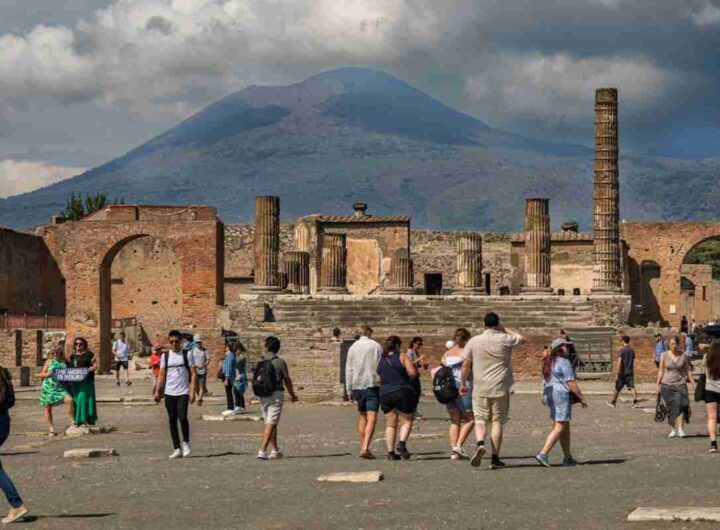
606	197
297	267
401	274
267	244
469	263
333	268
537	246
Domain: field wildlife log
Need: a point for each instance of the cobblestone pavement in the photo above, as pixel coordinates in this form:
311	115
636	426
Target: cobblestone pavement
627	461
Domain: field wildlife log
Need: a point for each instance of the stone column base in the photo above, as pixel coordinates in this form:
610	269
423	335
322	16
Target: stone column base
397	290
269	289
606	290
536	290
333	290
470	291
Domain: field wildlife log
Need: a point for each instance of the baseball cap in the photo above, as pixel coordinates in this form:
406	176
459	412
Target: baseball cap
559	342
450	344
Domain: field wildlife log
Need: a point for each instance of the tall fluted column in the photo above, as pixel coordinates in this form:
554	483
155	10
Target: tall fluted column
401	274
606	196
267	243
469	263
297	267
537	246
333	270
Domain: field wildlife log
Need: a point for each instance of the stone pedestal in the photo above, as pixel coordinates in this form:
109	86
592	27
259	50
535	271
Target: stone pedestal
296	265
606	200
401	275
537	246
333	267
469	264
267	244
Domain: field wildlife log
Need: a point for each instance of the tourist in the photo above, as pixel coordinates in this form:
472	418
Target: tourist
335	335
674	374
176	383
53	392
559	382
397	397
625	372
229	373
84	391
241	380
362	386
419	361
155	358
689	346
572	355
201	360
488	356
272	373
121	352
460	409
661	346
7	400
683	324
711	368
693	327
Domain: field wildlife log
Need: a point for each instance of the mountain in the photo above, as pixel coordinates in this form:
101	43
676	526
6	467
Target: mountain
356	134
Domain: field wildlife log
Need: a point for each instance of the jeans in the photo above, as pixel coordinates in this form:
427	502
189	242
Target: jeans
5	483
177	409
234	398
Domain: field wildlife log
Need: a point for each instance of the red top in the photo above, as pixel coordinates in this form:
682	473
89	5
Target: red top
155	363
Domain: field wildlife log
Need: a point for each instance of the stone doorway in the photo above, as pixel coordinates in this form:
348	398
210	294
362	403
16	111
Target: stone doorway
433	284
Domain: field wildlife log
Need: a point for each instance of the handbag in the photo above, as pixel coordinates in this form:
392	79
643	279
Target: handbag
700	388
660	409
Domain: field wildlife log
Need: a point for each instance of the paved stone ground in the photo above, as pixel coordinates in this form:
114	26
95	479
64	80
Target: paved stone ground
627	462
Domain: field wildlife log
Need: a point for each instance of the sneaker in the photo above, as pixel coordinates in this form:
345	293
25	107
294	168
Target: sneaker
118	383
543	459
227	412
713	449
262	455
128	383
276	454
672	434
177	453
454	456
569	461
460	453
636	405
610	404
200	402
394	456
14	514
496	463
401	449
367	455
478	456
186	450
681	433
239	410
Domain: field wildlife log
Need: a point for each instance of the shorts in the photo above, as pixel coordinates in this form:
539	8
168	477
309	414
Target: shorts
367	399
712	397
201	380
559	403
403	400
491	409
624	381
272	406
118	364
461	403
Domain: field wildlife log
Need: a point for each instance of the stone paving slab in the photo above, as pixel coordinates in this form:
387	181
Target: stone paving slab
689	513
233	417
358	476
90	453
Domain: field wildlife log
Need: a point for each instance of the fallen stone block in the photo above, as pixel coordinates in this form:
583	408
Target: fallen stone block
232	417
90	453
681	513
359	476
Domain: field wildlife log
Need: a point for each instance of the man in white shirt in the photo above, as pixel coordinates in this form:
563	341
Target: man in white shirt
488	357
361	382
176	381
201	360
121	352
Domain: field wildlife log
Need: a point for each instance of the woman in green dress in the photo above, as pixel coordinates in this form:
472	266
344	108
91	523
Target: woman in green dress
53	392
84	391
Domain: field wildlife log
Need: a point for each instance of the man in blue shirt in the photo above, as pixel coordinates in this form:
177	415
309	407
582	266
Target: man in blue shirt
689	346
660	347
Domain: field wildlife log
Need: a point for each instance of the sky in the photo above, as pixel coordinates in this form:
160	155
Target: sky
84	81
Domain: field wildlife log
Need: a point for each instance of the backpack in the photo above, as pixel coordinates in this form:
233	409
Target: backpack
444	386
7	392
264	381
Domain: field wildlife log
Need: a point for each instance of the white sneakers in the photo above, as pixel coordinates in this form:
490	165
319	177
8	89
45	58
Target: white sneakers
186	452
239	410
227	412
275	454
177	453
458	453
262	455
679	433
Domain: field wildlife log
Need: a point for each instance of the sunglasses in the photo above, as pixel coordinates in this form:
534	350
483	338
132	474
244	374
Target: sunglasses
173	341
79	344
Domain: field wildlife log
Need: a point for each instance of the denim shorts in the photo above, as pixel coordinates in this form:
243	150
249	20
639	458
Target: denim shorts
367	399
462	403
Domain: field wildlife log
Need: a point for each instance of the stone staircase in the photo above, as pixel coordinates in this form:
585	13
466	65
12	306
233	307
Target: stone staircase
594	346
427	312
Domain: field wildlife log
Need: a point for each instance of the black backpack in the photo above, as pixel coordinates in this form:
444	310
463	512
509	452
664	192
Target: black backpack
264	381
444	386
7	392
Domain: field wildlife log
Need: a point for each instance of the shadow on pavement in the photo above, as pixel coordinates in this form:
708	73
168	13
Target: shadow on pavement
33	518
319	456
16	453
609	461
218	455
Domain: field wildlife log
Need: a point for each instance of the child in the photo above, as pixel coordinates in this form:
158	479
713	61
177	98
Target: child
625	368
155	357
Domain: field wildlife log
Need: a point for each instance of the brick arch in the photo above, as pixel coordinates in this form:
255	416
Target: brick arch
86	249
667	244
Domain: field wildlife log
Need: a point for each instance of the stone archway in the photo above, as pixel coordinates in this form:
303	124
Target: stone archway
86	249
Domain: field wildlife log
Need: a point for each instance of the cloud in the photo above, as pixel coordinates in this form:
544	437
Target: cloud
21	176
707	16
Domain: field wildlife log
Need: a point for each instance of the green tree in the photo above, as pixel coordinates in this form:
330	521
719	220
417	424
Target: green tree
76	207
706	253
